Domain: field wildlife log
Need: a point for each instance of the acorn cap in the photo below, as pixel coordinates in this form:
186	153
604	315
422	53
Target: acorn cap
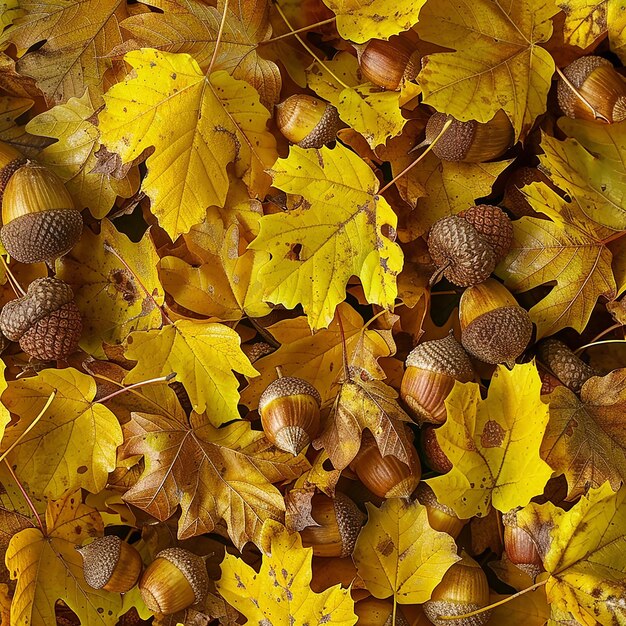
446	356
191	566
492	224
455	143
288	386
307	121
564	364
454	244
100	558
10	161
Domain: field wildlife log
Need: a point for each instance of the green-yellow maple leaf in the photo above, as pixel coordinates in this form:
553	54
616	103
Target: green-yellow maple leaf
73	444
202	354
197	126
497	63
336	234
280	593
73	156
48	568
493	444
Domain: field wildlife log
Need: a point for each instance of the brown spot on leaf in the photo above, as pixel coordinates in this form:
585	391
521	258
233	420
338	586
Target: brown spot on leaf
493	435
124	282
385	547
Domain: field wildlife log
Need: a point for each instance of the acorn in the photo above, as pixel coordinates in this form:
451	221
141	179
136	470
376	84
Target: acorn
388	64
520	548
431	371
290	413
10	161
386	476
493	225
340	522
564	364
110	564
258	350
440	516
40	222
307	121
601	91
463	589
46	321
175	580
494	327
374	612
434	455
472	141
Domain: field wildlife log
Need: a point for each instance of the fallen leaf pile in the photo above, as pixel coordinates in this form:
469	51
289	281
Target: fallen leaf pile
285	368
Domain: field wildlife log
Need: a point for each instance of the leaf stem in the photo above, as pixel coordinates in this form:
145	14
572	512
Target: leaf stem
419	158
299	30
495	604
606	331
597	115
141	383
613	237
17	288
307	48
598	343
219	38
26	497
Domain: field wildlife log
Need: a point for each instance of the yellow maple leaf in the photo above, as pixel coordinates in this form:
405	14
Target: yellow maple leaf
280	593
48	568
202	354
567	250
373	112
398	554
111	301
73	157
493	444
585	21
197	125
71	58
374	19
617	28
498	63
315	249
583	551
73	445
5	416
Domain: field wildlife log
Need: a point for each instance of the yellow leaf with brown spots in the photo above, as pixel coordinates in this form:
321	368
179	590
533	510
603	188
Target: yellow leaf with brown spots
585	21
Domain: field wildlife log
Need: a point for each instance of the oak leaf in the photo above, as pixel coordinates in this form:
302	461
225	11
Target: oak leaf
213	474
493	444
583	551
586	437
338	233
197	126
110	298
497	64
73	445
280	593
585	21
566	250
71	58
398	554
203	355
73	156
48	568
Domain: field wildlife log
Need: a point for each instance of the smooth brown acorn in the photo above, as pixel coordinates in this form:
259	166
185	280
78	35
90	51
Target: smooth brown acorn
463	589
471	142
46	321
40	221
175	580
440	516
340	522
388	64
290	413
564	364
601	91
460	252
431	371
386	476
434	455
307	121
494	327
493	225
110	564
520	548
374	612
10	161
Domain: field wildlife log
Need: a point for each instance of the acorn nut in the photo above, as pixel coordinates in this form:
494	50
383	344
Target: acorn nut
374	612
431	371
388	64
440	516
435	457
520	548
46	321
290	413
600	91
40	222
564	364
307	121
494	327
472	141
110	564
175	580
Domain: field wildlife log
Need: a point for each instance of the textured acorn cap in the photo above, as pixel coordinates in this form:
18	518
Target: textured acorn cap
564	364
492	224
446	356
100	558
307	121
191	566
455	244
10	161
349	520
455	143
288	386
